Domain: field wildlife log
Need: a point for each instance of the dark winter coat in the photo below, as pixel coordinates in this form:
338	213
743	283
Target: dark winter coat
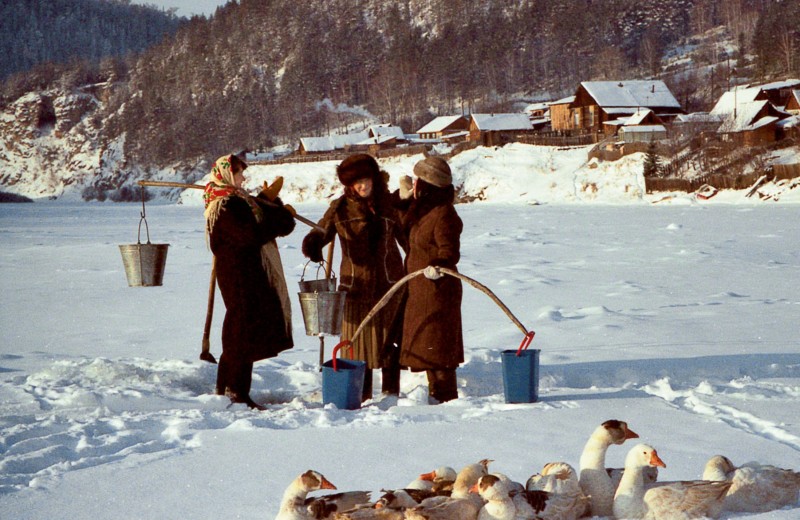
371	264
254	326
432	335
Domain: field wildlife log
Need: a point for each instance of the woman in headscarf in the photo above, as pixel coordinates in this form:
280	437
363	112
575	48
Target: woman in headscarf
368	228
241	231
432	335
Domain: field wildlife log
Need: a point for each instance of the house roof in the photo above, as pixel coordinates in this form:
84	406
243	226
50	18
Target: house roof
495	122
377	140
438	124
730	99
638	117
643	129
385	129
564	101
744	117
332	142
633	93
787	83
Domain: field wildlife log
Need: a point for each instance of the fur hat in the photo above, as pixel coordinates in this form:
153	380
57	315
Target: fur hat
357	166
435	171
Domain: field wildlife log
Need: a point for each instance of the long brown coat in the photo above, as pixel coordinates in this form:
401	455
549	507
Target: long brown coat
254	327
371	264
432	335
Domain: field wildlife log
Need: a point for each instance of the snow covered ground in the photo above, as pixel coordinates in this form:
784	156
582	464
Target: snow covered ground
678	317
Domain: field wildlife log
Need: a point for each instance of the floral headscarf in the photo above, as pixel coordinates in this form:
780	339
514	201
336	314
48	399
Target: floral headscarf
220	188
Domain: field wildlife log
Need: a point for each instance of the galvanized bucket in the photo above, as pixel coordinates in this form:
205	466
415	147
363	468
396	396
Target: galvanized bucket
144	263
322	305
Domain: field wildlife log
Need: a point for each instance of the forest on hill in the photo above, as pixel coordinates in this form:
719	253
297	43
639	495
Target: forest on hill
263	72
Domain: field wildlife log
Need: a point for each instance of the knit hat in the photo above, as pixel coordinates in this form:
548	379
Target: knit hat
435	171
355	167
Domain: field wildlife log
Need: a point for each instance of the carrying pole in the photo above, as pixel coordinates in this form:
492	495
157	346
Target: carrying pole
167	184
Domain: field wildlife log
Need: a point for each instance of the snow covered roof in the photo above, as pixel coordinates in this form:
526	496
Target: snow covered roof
533	107
616	111
643	129
633	93
377	140
385	129
495	122
697	117
332	142
638	117
564	101
438	124
775	85
737	95
455	135
743	118
790	122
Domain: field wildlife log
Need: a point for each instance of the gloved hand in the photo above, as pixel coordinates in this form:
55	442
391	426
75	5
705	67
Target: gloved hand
312	247
406	187
271	191
290	209
432	273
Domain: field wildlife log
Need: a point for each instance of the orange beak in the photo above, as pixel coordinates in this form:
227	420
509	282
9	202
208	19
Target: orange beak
474	489
428	476
630	434
655	460
326	484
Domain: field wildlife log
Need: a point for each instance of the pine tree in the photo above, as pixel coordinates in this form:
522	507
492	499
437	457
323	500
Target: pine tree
652	164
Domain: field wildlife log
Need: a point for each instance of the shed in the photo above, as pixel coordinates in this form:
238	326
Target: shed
642	133
498	129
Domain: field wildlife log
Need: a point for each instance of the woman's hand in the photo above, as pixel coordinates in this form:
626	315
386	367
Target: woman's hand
312	247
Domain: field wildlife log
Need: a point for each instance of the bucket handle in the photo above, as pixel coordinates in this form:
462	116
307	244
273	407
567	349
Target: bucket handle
320	265
342	344
526	341
143	219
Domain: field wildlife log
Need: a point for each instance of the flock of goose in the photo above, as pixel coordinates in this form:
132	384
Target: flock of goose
558	492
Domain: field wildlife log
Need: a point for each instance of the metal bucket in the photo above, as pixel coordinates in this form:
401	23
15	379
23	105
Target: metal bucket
144	263
322	312
521	373
318	285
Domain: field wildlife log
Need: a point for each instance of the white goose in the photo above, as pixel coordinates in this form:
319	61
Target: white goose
295	505
560	480
499	504
461	504
597	482
755	488
664	500
440	478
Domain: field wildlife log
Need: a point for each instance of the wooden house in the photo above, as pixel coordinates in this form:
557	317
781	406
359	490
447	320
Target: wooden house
599	102
752	124
442	126
382	136
498	129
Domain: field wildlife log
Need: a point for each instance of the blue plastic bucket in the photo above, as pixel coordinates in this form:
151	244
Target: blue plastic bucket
342	383
521	373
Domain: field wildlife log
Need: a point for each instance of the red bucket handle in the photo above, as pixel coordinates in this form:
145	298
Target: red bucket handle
342	344
526	341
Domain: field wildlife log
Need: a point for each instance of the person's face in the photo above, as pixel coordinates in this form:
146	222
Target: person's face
363	187
238	177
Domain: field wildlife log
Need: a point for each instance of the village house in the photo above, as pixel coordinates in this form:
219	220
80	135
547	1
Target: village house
375	137
752	123
604	106
498	129
444	125
642	127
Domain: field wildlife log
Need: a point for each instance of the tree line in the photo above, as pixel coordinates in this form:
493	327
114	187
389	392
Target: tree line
263	72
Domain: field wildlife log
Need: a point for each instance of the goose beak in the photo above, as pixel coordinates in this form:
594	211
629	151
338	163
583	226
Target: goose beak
326	484
474	488
428	476
630	434
655	460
